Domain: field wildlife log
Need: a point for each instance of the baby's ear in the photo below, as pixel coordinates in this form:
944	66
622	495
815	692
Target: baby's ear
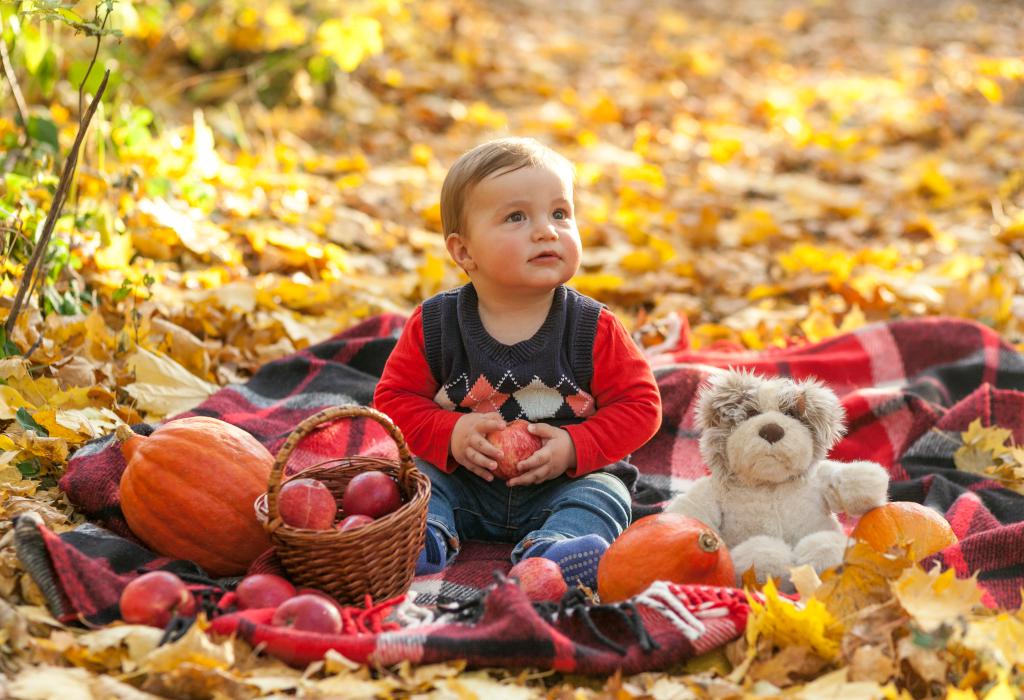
456	246
822	410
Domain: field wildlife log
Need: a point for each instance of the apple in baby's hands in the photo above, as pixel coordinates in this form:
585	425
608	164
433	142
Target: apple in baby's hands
151	599
540	579
516	443
307	503
263	591
371	493
308	612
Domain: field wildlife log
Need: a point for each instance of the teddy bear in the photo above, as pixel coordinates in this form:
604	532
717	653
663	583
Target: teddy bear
771	494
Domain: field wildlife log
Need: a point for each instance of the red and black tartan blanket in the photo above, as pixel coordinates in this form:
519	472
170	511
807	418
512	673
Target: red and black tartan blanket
909	388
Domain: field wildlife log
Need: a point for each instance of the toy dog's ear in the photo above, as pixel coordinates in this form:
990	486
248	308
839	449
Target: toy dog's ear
821	410
726	398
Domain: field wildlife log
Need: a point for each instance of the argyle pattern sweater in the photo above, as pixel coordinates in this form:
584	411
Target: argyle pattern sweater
580	371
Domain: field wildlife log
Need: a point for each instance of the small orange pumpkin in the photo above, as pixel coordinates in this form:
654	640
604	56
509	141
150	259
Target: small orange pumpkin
663	547
918	528
188	491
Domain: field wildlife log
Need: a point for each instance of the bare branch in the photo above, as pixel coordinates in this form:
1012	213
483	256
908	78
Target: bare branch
66	176
12	79
92	62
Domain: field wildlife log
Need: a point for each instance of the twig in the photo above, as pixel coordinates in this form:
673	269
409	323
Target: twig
12	79
213	76
66	176
95	53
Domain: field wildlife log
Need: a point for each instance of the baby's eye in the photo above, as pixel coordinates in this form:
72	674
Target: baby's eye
516	217
561	214
792	412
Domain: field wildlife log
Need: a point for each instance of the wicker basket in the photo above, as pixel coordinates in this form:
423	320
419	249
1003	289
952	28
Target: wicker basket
378	558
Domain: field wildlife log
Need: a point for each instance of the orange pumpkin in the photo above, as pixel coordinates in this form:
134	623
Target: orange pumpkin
188	491
918	528
663	547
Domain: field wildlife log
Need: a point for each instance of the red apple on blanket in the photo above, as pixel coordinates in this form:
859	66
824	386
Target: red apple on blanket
371	493
151	599
309	613
351	522
540	579
516	443
329	599
263	591
307	503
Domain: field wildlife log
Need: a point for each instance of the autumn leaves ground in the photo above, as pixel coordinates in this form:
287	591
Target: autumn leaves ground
776	171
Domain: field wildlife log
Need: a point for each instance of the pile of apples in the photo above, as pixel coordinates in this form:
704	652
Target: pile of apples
308	503
153	598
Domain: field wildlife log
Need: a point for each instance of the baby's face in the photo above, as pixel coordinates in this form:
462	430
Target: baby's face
521	231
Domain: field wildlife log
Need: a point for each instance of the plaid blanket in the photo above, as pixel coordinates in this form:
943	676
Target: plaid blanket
909	388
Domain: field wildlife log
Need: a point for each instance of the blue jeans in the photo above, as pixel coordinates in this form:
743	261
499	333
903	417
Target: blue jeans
465	507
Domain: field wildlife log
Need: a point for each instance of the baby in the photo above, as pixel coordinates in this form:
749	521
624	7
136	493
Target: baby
515	342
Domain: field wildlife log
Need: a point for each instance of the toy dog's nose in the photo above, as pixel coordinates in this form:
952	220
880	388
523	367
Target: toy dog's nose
771	432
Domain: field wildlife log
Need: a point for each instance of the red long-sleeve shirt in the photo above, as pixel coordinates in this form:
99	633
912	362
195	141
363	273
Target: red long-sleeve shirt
627	403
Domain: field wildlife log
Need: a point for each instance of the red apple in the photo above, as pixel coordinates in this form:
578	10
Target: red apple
307	503
329	599
263	591
371	493
351	522
516	444
540	579
151	599
308	612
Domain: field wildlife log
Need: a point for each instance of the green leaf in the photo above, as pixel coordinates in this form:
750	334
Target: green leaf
321	69
158	186
44	131
26	421
70	16
7	347
123	291
15	184
29	468
33	48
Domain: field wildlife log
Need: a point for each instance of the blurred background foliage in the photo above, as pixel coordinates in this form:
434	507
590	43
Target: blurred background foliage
260	175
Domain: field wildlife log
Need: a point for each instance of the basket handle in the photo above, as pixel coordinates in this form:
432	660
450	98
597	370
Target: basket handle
306	427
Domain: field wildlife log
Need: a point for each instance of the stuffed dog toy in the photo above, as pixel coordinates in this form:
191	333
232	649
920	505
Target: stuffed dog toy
771	494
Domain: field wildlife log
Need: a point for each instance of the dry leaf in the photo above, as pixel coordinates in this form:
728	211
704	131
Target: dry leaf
194	648
926	661
791	664
163	387
998	640
862	580
934	599
836	685
785	623
871	663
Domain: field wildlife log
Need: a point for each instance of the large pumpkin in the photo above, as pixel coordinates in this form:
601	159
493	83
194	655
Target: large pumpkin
188	491
663	547
917	528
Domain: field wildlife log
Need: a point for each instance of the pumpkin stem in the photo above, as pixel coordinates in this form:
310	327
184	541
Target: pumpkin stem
708	542
129	440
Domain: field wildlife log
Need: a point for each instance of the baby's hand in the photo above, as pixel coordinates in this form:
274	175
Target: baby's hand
470	446
556	455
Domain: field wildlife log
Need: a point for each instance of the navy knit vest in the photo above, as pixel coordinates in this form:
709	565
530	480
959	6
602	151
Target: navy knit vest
545	378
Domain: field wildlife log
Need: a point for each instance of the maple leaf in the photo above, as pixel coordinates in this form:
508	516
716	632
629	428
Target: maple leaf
784	623
990	451
934	599
998	641
862	580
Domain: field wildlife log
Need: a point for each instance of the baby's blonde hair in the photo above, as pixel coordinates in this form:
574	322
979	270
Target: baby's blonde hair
500	155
